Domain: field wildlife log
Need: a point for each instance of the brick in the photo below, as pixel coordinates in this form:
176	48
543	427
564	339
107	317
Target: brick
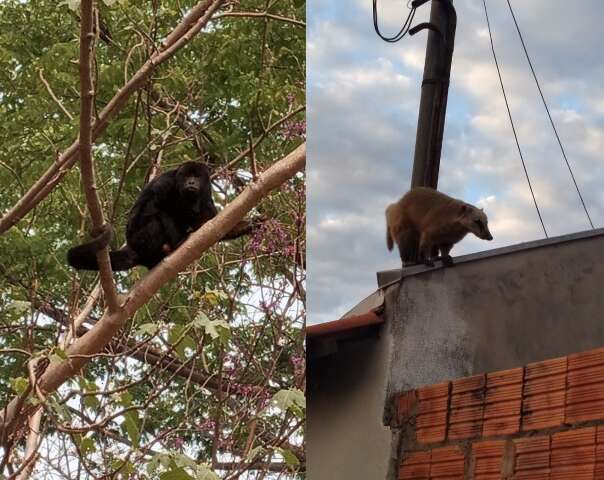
431	419
574	438
431	435
504	393
585	376
543	405
468	384
406	404
466	408
447	462
532	457
488	457
459	431
599	468
573	454
504	377
580	412
532	444
543	419
432	405
584	398
468	399
432	391
415	466
545	384
554	366
586	359
585	393
503	403
542	474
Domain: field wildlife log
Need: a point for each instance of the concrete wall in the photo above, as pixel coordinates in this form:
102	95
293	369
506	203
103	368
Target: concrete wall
497	310
345	437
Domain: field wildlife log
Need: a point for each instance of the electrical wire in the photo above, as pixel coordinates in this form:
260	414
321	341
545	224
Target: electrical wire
511	120
549	114
401	33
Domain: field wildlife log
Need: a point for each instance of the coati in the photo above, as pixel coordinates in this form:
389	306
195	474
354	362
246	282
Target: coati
431	221
166	211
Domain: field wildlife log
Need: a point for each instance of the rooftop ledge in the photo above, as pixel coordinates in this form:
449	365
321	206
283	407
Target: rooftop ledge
389	277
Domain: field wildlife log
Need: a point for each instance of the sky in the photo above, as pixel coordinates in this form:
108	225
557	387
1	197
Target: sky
363	98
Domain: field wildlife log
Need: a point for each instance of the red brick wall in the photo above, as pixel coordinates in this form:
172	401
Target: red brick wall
544	421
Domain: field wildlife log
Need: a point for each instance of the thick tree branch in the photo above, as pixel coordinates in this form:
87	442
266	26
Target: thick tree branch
97	338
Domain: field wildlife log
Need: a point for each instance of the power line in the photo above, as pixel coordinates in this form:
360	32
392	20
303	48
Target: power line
548	114
511	120
401	33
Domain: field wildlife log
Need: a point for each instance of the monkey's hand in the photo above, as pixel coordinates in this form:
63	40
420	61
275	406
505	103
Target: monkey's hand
245	227
101	237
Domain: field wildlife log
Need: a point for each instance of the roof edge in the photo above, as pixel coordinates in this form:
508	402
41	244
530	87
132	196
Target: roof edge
386	278
343	324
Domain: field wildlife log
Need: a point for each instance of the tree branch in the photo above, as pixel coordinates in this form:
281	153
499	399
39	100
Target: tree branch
86	163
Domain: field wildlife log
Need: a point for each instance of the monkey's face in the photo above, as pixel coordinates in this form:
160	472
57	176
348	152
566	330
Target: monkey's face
193	179
475	220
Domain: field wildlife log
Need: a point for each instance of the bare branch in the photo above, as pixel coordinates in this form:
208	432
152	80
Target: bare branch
53	96
87	165
279	18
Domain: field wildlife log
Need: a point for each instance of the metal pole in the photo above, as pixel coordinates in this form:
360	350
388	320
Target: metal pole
435	88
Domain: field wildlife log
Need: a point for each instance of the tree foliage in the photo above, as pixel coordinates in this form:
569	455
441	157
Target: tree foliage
206	380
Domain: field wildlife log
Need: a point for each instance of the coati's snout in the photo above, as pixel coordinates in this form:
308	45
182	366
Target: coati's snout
476	222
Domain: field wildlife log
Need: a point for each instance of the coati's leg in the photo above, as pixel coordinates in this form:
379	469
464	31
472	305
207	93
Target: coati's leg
426	249
407	241
444	252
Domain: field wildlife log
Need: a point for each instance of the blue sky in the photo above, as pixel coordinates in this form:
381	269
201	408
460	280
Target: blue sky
363	97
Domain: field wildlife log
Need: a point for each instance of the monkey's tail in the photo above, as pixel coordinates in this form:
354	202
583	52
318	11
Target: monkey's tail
83	257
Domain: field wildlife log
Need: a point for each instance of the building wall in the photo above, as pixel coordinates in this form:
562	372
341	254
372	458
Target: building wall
544	421
495	311
345	436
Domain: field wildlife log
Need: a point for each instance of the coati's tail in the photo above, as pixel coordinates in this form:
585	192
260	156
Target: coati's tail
389	239
83	257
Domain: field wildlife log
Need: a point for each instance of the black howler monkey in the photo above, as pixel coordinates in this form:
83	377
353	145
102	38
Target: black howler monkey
168	209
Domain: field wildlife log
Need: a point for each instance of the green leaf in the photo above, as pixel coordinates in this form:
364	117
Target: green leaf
19	384
125	398
204	472
19	306
148	329
182	460
91	401
158	459
72	4
214	328
292	400
254	452
288	456
87	445
131	425
176	474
